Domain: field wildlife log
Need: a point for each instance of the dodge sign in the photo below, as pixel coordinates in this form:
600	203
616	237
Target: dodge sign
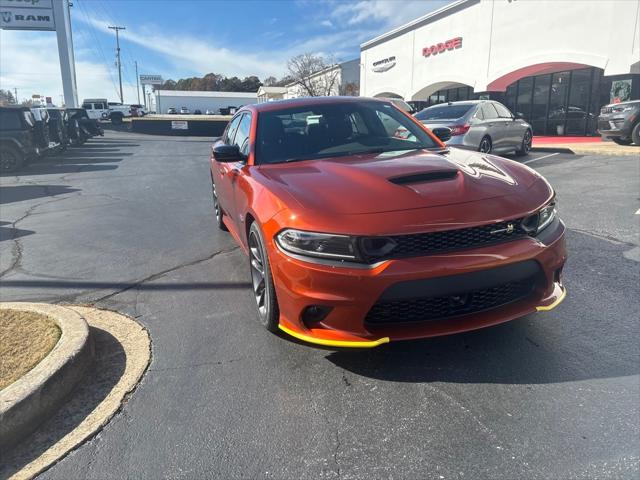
442	47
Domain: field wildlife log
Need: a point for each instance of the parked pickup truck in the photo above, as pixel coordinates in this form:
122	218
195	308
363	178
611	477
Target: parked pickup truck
101	109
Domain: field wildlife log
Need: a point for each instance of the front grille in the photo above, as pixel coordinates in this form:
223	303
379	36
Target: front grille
448	240
447	306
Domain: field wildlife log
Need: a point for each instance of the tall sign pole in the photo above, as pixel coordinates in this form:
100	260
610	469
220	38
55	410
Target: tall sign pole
117	29
47	15
65	51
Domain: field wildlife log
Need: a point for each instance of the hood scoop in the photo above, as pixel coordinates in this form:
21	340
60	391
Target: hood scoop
424	177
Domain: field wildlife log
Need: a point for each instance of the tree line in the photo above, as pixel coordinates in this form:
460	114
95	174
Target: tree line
214	82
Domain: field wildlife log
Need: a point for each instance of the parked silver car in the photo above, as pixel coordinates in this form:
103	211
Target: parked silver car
483	125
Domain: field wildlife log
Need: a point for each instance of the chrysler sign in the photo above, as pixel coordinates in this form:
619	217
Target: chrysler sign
439	48
27	15
384	64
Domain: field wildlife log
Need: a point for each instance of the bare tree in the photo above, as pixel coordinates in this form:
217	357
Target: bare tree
316	76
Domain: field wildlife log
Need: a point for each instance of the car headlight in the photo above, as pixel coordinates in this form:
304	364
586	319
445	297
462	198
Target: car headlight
546	215
313	244
541	219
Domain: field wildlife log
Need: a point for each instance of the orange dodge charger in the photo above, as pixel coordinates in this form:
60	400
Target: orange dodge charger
362	227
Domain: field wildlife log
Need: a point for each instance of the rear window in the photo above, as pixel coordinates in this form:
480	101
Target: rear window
444	112
10	121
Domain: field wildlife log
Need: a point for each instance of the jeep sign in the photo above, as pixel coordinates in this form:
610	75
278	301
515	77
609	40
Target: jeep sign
27	15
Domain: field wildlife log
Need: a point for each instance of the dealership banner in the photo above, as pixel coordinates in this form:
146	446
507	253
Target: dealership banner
27	15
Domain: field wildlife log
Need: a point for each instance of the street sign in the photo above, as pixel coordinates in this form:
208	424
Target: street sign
151	79
27	15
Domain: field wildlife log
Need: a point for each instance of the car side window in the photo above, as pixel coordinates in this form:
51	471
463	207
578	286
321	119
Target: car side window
503	112
488	111
227	138
242	134
10	121
87	106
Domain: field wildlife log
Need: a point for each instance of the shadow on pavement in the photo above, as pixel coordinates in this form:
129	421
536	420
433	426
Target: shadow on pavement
10	233
121	286
19	193
107	370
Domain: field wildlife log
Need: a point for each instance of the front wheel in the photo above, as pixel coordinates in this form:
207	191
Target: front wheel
10	159
116	119
635	134
485	145
621	141
262	281
525	146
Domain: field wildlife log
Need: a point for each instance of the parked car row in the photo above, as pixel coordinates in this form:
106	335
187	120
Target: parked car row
27	134
230	110
101	109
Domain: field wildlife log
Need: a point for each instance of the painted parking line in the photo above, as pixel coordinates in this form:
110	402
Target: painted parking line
540	158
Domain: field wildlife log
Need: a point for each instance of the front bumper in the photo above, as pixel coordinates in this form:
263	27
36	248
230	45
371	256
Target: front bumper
351	292
615	125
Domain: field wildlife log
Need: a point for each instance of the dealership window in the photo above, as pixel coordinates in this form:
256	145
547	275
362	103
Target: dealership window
525	91
578	106
538	116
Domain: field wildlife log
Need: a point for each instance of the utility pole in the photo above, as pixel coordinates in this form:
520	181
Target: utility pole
117	29
138	83
15	98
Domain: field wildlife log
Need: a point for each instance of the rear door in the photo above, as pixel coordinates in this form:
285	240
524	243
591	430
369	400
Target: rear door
513	130
494	126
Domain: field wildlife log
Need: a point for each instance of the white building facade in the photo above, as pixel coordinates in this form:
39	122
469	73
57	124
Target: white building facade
200	100
555	62
340	79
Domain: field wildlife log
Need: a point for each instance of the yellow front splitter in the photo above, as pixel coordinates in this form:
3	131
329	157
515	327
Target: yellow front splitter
558	301
334	343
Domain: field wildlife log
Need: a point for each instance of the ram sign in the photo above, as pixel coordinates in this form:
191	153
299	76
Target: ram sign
27	15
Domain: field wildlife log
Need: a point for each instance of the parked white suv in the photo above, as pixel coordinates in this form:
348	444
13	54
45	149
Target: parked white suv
101	109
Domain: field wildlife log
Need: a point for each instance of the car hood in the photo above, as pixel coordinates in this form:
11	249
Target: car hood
395	181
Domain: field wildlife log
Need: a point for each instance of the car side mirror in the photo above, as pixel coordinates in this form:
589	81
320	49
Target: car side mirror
227	153
443	133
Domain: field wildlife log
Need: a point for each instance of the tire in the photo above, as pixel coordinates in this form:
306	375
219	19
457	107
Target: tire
525	146
485	145
116	119
621	141
217	209
11	159
262	281
635	134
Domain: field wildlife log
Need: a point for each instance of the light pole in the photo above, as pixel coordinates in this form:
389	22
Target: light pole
117	29
138	84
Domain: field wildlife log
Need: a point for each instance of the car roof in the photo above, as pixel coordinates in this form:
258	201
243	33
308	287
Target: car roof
461	102
14	107
307	101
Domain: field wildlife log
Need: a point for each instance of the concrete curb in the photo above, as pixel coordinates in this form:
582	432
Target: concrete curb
32	399
552	149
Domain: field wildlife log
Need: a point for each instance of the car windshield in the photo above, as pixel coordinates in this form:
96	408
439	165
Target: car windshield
334	130
444	112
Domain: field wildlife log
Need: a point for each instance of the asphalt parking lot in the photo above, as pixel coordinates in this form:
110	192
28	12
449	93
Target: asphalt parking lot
126	222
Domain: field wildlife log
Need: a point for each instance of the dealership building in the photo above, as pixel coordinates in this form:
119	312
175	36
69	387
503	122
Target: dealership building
554	62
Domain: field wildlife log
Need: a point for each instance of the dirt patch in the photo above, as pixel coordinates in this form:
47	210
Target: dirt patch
25	339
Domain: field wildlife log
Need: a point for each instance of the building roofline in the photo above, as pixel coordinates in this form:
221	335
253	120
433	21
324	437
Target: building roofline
430	17
204	93
324	70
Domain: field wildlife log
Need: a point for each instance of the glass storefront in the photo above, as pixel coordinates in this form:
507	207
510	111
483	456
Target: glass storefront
561	103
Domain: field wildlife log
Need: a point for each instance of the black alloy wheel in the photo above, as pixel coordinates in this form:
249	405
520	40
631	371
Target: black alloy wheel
525	147
485	145
262	281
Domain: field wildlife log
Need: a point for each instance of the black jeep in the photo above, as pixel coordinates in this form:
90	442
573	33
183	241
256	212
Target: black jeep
58	127
18	138
80	127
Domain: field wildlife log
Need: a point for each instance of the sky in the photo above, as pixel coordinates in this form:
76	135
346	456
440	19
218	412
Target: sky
186	38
